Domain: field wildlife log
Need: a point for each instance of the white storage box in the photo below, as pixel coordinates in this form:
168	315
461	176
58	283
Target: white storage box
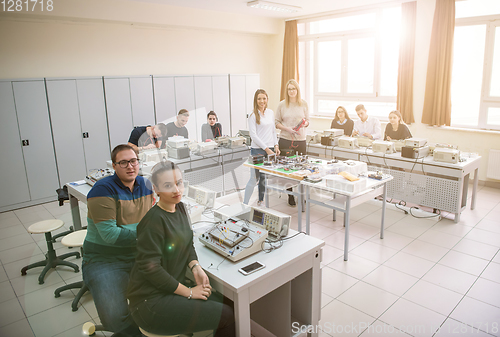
355	167
342	184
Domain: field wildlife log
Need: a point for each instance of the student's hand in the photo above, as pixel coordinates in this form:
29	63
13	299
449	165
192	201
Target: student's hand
355	133
292	131
200	276
150	146
277	150
269	151
366	134
388	138
201	292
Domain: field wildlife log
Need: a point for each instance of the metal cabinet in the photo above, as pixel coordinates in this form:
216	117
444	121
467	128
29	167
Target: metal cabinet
129	103
29	160
78	120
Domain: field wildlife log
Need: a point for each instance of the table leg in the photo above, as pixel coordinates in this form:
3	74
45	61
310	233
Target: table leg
334	211
266	197
300	206
474	189
308	210
75	213
384	202
242	314
346	225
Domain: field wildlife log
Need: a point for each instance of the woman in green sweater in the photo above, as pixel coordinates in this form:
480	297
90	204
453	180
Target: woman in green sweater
159	301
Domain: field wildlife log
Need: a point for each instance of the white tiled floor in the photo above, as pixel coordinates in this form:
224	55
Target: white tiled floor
426	275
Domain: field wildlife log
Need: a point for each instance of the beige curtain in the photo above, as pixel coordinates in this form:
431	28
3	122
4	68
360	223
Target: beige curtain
437	100
406	61
290	56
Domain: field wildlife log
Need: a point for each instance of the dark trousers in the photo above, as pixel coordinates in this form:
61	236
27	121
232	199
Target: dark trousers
173	314
298	146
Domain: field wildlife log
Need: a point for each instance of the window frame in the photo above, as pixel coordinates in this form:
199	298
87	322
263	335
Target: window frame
344	37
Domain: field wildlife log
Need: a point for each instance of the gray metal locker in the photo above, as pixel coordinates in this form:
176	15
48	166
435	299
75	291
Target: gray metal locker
184	99
66	129
220	87
34	127
14	185
119	110
93	122
141	97
203	100
164	98
239	108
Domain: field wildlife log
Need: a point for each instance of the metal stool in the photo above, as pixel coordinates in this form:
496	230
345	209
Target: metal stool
74	239
51	259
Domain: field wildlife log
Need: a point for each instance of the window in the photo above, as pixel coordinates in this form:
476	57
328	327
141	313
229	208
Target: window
350	59
475	87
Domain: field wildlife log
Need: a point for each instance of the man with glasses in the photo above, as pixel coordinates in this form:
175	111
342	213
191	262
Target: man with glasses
115	205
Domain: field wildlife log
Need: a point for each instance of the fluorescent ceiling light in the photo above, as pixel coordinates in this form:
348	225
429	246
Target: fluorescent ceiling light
273	6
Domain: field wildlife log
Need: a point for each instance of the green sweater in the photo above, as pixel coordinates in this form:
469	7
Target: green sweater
164	249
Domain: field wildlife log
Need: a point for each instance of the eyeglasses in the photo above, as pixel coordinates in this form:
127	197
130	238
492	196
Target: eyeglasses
124	163
292	89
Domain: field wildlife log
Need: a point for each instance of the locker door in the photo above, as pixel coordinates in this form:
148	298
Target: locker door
34	126
14	185
184	99
94	123
220	85
203	100
141	94
164	97
239	109
119	111
66	129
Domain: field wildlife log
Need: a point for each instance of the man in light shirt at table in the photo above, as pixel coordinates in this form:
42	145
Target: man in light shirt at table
366	126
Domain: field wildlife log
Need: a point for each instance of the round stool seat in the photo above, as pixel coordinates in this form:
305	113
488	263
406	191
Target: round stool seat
149	334
74	239
45	226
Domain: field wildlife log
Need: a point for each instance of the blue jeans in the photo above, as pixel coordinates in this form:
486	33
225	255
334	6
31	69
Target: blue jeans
108	283
255	175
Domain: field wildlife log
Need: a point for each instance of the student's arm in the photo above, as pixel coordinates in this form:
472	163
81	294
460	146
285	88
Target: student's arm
279	120
102	211
252	128
135	147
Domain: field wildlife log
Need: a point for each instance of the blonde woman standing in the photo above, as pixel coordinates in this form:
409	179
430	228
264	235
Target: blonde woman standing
292	118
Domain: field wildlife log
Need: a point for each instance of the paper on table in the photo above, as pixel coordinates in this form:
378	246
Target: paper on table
78	183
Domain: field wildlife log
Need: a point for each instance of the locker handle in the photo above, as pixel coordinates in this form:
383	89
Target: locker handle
85	135
25	142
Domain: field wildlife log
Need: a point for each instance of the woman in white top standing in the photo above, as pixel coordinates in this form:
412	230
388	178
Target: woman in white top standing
264	141
292	118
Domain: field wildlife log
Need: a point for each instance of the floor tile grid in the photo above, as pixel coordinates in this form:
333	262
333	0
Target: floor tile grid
376	235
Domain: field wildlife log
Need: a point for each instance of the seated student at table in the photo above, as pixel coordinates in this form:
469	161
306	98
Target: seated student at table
159	301
396	128
366	126
178	127
147	137
211	129
342	121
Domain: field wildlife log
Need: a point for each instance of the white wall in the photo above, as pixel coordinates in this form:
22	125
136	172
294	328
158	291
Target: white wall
116	37
467	140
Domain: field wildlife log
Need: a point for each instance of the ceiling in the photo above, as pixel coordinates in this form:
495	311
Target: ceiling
309	7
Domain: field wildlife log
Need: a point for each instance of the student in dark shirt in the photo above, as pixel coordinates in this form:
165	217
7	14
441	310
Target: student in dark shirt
178	127
147	137
159	301
396	129
211	129
342	121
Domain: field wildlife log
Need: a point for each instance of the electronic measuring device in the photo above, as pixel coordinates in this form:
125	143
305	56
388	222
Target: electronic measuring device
155	155
334	132
364	141
98	174
348	142
234	239
206	148
200	195
383	146
415	152
415	142
446	155
234	142
276	223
